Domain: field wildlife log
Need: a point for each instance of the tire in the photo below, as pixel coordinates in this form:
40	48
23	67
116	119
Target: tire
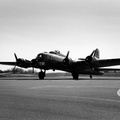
41	75
75	76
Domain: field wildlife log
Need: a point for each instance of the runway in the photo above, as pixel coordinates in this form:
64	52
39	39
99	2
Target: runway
59	98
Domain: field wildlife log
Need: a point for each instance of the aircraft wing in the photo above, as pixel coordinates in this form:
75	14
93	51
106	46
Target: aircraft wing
8	63
23	63
93	61
108	69
107	62
20	62
82	65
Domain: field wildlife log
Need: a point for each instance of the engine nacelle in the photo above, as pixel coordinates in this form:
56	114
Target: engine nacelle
23	63
88	59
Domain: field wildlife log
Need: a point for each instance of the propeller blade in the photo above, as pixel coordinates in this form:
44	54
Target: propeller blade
92	53
15	56
67	54
15	63
66	59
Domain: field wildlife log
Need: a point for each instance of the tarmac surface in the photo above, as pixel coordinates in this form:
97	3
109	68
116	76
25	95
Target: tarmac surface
59	98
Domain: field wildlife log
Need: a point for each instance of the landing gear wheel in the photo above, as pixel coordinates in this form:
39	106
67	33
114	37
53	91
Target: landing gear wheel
41	75
90	76
75	76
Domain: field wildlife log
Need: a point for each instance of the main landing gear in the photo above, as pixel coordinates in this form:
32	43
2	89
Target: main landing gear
41	74
75	75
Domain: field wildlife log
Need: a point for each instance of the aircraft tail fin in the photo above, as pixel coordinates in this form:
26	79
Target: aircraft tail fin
96	53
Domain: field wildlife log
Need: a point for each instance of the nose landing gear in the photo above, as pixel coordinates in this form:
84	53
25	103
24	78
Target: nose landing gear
41	74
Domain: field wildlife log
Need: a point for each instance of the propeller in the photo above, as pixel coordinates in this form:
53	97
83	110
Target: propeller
66	59
15	62
15	56
18	60
89	60
21	62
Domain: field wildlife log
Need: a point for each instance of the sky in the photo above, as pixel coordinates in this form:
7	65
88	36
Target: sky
29	27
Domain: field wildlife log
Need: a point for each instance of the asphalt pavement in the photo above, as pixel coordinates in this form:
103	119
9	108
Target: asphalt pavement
59	98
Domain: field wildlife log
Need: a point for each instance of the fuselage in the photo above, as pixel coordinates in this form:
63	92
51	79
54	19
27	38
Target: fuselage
53	60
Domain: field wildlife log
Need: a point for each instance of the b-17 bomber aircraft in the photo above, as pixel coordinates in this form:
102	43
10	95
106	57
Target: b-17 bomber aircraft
55	60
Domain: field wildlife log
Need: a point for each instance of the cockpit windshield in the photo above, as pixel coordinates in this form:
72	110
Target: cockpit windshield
55	52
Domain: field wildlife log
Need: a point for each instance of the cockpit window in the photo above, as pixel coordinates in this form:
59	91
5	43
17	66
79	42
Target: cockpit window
40	57
52	52
55	52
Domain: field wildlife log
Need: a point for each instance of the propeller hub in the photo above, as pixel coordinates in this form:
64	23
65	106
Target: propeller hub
89	59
